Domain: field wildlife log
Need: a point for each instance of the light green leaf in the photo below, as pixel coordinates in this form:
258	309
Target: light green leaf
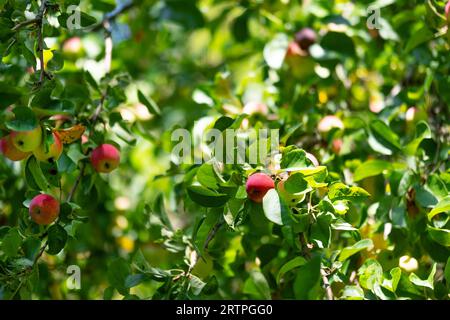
357	247
442	206
429	282
273	207
288	266
149	103
371	168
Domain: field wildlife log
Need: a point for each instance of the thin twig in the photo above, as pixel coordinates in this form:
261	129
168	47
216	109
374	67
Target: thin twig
326	284
24	24
40	23
113	15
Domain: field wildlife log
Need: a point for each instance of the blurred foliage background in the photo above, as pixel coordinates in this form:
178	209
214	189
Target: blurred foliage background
197	61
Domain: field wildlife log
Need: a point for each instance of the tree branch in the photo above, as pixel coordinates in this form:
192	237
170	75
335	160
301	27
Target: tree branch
40	24
326	284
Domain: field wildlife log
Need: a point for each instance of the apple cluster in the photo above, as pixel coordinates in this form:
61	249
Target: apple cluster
19	145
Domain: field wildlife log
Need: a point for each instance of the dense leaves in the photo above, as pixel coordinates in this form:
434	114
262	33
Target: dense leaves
360	203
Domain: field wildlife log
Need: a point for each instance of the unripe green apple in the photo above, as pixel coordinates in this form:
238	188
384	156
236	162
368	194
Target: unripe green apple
53	151
10	151
27	141
44	209
105	158
257	186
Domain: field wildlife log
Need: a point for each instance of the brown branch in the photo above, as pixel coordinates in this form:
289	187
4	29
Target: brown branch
40	23
24	24
326	284
113	15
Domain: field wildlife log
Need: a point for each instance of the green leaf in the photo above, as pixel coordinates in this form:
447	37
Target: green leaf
257	286
295	159
371	168
353	293
24	120
370	274
418	37
56	63
207	197
391	284
290	265
37	174
442	206
10	94
296	184
117	273
422	132
149	103
240	27
429	282
11	242
307	279
447	272
365	244
57	237
31	247
134	280
321	230
441	236
207	177
385	139
274	207
339	191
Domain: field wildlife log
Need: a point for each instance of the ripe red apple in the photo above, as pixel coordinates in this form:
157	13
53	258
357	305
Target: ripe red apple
10	151
27	141
44	209
294	50
329	122
105	158
53	152
305	38
257	186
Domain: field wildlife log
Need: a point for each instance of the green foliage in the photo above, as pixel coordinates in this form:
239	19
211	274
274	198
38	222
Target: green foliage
370	221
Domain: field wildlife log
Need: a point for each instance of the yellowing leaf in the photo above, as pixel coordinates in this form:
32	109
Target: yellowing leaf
72	134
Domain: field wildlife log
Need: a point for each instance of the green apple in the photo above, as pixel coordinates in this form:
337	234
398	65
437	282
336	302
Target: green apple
52	152
27	141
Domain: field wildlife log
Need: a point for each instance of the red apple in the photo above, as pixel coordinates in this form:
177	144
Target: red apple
105	158
305	38
336	145
10	151
257	186
329	122
44	209
54	150
253	107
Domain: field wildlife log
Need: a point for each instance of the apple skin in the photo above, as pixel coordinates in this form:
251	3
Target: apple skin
27	141
105	158
53	153
10	151
329	122
305	38
254	107
44	209
257	186
447	11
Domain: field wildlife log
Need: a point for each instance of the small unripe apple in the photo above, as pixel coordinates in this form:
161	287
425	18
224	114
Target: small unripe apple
27	141
105	158
44	209
53	151
257	186
329	122
305	38
10	151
